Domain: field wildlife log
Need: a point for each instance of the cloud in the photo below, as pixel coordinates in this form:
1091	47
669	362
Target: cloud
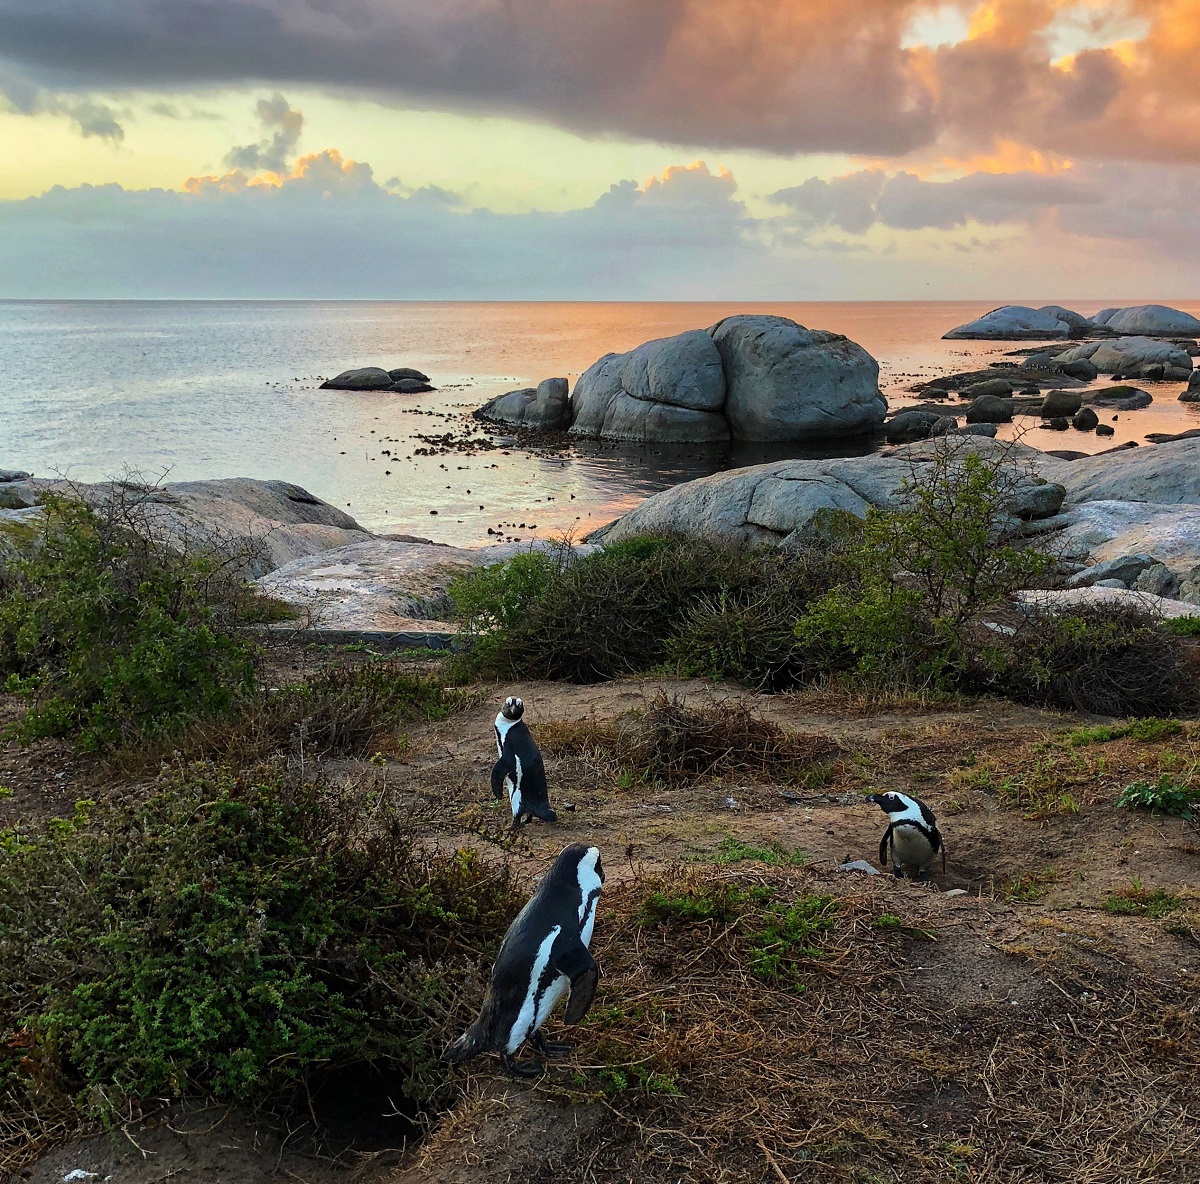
273	154
781	75
329	229
861	200
18	93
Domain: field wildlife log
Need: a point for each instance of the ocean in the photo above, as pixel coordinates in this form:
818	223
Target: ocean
182	390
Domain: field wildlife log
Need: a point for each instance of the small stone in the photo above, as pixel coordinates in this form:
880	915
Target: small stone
956	892
1103	429
1085	420
858	865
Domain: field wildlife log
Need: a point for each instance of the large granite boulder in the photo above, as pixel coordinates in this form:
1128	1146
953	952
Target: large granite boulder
746	378
671	389
1167	474
258	525
778	502
1071	599
1155	320
1134	357
1079	324
543	408
1192	393
907	426
365	378
785	382
1014	322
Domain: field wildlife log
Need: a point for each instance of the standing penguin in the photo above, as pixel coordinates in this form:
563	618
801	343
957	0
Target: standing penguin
519	770
912	833
544	954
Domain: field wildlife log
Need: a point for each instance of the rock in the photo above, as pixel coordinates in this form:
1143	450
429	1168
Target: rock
975	429
999	387
1079	324
786	382
1110	583
990	409
1067	453
1157	579
543	408
1058	424
1155	320
671	389
952	892
1167	474
7	475
1085	420
382	586
1133	357
1125	568
1059	404
1120	398
1102	532
746	378
406	372
377	585
410	386
858	865
907	426
366	378
1012	322
260	525
1064	599
1153	437
1080	368
777	502
1102	429
1192	394
1189	585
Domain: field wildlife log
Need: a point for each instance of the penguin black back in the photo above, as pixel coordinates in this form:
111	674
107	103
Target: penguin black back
520	772
543	956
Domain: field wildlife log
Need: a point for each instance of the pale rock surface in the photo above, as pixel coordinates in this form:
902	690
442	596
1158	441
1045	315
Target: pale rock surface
1133	357
1013	322
1155	319
1061	599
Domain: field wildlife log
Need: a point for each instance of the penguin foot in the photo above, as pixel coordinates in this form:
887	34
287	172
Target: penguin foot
898	872
550	1048
522	1068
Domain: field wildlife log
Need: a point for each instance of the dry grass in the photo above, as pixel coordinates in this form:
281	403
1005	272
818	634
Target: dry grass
678	744
839	1071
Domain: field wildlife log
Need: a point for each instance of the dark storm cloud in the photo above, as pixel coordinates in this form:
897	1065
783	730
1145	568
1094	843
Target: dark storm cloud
741	73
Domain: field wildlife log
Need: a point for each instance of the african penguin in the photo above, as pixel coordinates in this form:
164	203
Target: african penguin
520	771
544	954
912	833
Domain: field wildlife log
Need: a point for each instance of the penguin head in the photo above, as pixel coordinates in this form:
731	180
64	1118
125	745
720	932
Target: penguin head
513	708
889	803
577	860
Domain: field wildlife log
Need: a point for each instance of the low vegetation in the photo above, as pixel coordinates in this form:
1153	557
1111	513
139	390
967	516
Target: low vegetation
238	936
903	599
1164	796
679	743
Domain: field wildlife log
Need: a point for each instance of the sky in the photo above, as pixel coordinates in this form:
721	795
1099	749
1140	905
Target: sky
600	149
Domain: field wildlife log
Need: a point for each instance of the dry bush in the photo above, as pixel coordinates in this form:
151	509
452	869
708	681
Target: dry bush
679	744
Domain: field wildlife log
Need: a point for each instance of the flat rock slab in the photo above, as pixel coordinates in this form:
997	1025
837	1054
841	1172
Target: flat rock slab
1103	530
1067	598
380	588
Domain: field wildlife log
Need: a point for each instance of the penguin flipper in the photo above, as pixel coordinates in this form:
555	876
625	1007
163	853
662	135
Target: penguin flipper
504	767
580	967
883	847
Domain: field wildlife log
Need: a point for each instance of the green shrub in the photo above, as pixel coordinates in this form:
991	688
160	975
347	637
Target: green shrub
787	934
111	635
1164	796
1183	626
1148	729
239	936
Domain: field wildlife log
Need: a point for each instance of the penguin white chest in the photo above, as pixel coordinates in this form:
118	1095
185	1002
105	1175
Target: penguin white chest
910	846
514	787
